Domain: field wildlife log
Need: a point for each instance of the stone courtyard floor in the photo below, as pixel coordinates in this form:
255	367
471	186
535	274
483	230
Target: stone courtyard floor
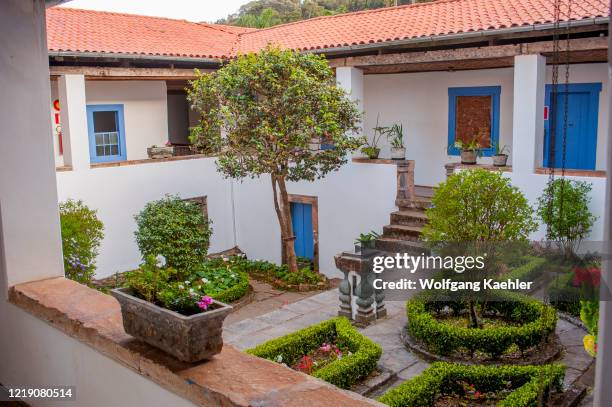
245	331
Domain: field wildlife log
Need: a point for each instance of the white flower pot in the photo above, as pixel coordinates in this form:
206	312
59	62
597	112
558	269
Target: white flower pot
398	153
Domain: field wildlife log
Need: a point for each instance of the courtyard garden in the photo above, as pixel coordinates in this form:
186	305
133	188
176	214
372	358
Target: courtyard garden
283	116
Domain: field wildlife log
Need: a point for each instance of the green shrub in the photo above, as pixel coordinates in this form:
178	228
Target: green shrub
563	295
564	208
343	372
223	280
529	270
82	233
441	378
175	229
537	321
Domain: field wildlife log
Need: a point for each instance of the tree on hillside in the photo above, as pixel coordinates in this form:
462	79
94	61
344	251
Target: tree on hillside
267	113
256	13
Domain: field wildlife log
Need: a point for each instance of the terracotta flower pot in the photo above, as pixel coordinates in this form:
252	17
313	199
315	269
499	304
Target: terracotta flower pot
188	338
468	157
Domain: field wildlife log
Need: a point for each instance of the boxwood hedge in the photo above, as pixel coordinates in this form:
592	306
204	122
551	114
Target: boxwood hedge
236	291
527	271
537	320
528	383
343	372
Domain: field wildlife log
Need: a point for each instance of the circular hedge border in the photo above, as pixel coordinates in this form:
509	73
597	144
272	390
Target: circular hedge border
539	322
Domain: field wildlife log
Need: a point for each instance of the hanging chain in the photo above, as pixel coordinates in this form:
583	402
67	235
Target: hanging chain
552	114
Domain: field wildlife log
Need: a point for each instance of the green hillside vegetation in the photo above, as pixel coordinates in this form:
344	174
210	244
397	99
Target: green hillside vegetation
267	13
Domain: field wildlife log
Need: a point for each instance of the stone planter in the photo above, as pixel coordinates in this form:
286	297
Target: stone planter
365	248
468	156
500	160
160	152
398	153
188	338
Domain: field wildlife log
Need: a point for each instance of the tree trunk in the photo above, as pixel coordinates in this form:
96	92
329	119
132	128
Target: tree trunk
474	322
283	212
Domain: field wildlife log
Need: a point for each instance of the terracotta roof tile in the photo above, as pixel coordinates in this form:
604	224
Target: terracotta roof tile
438	18
94	31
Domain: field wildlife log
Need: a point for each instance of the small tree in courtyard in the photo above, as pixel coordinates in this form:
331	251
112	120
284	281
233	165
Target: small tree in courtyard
477	212
267	113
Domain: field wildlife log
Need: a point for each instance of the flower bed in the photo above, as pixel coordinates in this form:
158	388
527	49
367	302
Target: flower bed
359	354
522	386
279	276
530	323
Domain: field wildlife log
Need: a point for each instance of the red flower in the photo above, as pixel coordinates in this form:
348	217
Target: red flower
306	364
591	277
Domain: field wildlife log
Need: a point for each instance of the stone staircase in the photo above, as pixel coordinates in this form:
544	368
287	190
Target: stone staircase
403	233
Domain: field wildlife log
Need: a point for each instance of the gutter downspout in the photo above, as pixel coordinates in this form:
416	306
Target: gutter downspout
603	367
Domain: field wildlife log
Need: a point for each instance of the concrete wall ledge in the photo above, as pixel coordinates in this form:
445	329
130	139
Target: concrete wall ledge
366	160
231	378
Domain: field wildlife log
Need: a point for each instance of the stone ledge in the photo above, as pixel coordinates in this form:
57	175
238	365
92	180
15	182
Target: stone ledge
488	167
148	161
573	173
231	378
366	160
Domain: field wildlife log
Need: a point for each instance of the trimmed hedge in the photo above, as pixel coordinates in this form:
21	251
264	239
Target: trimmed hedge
564	296
525	272
444	378
538	322
343	372
236	291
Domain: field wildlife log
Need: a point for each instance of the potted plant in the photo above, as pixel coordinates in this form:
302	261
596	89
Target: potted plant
366	242
161	151
395	135
501	157
371	149
169	310
470	150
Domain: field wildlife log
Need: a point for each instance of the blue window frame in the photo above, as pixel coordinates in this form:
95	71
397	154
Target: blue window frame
582	115
106	130
454	102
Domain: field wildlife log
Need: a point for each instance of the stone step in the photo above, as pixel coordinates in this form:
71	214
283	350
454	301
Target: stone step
420	202
409	217
403	232
394	245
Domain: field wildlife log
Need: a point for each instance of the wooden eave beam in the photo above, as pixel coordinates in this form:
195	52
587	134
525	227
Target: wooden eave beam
598	46
121	73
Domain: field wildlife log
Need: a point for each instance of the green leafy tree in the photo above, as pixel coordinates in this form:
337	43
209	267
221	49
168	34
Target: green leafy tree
477	212
564	208
82	233
175	229
266	113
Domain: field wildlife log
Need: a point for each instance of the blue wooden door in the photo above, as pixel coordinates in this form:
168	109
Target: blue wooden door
301	220
582	114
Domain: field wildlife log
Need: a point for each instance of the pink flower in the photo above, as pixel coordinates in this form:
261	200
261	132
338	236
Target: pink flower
326	347
168	143
204	302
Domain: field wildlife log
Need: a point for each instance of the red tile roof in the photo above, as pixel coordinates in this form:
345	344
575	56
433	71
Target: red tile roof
413	21
93	31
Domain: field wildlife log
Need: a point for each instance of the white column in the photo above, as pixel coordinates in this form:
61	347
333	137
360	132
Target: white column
30	243
351	80
71	90
528	113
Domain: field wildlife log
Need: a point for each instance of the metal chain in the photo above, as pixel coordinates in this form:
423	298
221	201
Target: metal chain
552	114
565	110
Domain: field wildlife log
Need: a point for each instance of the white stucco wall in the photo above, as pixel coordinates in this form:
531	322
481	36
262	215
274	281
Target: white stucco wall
420	102
145	111
118	193
354	200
